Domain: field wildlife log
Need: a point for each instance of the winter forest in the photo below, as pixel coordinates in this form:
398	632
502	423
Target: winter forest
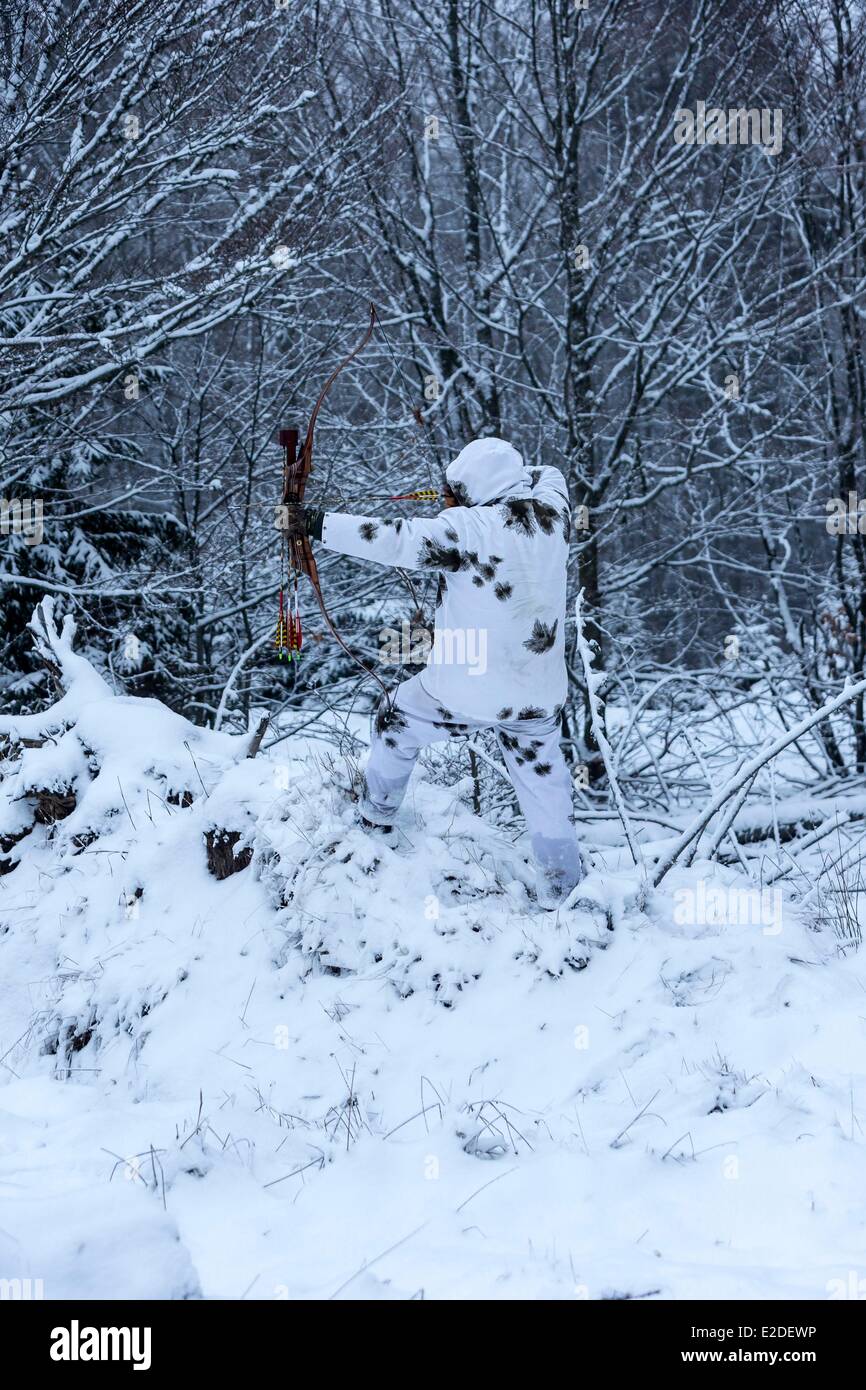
629	238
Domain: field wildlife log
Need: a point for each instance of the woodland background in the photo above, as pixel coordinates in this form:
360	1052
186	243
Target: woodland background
198	203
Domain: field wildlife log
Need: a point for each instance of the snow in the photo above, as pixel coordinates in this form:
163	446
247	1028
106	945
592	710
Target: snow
371	1068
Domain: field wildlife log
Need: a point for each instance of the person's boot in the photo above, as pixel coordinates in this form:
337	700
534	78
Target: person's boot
374	825
591	899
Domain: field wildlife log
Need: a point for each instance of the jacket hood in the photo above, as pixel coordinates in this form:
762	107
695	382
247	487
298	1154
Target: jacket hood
486	470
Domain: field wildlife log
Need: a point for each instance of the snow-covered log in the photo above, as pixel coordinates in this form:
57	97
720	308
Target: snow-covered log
93	757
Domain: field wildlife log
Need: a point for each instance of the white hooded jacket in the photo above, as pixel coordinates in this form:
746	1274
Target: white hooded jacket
501	555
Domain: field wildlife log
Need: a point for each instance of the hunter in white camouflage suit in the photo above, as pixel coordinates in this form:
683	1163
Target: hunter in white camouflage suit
500	550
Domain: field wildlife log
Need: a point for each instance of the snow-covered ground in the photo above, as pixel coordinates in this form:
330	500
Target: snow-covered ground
372	1068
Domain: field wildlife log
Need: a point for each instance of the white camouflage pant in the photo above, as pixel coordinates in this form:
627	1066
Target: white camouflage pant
533	757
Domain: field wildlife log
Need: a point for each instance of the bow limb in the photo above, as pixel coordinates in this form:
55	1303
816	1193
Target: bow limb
297	471
307	450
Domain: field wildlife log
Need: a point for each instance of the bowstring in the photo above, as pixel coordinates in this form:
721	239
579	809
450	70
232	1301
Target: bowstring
421	421
329	459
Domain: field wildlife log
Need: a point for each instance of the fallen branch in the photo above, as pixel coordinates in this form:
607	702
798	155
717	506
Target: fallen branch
747	773
836	822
